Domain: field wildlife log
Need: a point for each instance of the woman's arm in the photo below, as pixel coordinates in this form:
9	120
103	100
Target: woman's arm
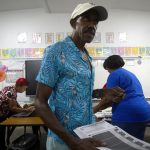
14	108
103	104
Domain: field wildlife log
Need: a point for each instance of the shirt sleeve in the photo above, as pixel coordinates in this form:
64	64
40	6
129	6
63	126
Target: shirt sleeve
112	81
48	73
9	93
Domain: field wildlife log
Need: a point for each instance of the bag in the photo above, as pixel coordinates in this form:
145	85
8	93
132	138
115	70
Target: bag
4	109
25	142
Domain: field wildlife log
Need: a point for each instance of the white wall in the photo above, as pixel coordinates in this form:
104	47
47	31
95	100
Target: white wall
135	23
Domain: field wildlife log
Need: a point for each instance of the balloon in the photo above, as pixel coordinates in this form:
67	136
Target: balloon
2	75
4	68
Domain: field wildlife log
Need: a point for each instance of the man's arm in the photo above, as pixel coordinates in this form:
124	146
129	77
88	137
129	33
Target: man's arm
103	104
115	94
42	108
108	96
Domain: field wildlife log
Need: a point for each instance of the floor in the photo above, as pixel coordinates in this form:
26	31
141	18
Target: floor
41	145
147	135
41	142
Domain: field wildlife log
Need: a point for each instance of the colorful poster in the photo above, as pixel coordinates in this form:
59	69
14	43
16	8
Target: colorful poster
0	53
122	37
12	52
59	36
128	51
41	51
92	51
5	53
121	51
29	52
142	51
68	33
37	38
13	75
109	37
147	51
99	51
22	37
135	51
107	51
114	50
97	38
20	53
49	38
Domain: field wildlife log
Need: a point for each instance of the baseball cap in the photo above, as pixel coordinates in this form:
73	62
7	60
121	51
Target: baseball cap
22	82
82	8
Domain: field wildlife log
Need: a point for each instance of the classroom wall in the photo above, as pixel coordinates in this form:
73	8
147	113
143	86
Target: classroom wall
135	23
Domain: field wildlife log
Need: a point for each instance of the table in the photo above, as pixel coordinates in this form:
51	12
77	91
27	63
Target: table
12	122
22	121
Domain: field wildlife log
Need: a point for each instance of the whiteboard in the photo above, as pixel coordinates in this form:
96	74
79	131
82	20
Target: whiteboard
142	72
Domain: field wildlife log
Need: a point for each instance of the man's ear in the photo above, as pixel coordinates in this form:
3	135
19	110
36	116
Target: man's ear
73	23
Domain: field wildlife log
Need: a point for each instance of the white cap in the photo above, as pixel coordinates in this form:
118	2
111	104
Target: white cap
81	8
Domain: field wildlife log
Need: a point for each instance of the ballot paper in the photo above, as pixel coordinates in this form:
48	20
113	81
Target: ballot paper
115	137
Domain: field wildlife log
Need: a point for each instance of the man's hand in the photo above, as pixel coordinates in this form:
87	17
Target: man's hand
88	144
114	94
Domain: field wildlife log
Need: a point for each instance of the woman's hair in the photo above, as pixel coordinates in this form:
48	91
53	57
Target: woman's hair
22	82
113	62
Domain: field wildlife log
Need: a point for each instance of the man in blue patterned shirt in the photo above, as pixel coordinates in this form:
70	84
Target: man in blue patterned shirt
65	82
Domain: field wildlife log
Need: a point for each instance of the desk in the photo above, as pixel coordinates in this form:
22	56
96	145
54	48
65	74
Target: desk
12	122
22	121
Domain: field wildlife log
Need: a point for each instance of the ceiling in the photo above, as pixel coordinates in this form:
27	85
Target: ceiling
66	6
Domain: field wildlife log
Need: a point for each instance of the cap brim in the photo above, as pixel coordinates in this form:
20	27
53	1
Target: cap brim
102	12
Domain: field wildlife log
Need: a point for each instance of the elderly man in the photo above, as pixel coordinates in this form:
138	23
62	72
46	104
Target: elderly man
65	82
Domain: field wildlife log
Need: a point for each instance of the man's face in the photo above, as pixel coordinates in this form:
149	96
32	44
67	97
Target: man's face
86	25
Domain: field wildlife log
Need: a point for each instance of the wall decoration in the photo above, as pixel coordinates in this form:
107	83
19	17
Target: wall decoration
68	33
5	53
22	37
139	60
142	51
49	38
12	53
135	51
92	51
97	38
13	75
20	52
130	62
99	52
59	36
107	51
109	37
37	38
147	51
122	37
128	51
0	53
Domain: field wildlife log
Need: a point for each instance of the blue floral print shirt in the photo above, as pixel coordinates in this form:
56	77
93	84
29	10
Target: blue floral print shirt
65	70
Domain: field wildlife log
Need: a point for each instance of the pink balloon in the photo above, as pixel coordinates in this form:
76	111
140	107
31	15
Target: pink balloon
4	68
